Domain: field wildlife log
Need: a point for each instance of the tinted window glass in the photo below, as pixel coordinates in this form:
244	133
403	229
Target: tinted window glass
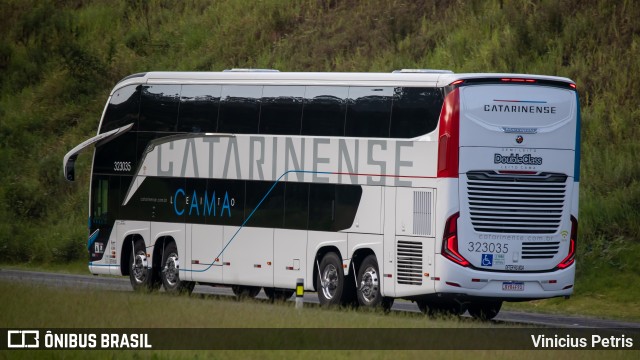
369	111
321	206
123	108
324	110
415	111
271	212
281	110
159	107
296	206
239	109
117	156
230	195
347	201
199	108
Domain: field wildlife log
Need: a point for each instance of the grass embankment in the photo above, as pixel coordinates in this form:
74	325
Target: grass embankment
72	308
59	60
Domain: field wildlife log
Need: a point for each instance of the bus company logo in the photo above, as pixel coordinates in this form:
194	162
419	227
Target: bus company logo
511	130
202	205
519	139
516	159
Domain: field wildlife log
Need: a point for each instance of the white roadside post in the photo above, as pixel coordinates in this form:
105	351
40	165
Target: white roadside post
299	293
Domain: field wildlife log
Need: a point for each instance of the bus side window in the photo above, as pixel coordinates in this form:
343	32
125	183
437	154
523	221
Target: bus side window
270	213
104	207
296	206
123	108
369	111
324	110
322	212
415	111
229	201
199	108
239	109
281	110
159	108
347	201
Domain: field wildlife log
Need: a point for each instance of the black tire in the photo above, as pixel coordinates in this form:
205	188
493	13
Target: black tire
139	275
485	310
242	291
278	294
387	303
331	280
170	272
369	279
444	308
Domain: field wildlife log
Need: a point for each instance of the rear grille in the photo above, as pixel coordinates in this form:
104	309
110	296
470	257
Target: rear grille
409	262
539	250
529	204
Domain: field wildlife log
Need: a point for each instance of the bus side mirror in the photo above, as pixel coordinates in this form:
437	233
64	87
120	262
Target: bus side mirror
69	168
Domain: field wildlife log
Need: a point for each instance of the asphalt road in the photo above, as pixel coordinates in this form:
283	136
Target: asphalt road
122	284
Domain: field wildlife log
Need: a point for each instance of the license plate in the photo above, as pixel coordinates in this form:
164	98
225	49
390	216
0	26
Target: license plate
513	286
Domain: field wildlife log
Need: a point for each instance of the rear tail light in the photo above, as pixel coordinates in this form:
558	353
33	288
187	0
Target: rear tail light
450	241
449	138
517	80
571	257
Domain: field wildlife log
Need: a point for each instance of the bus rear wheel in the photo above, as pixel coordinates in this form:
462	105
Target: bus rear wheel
170	272
241	291
139	275
368	290
330	280
484	310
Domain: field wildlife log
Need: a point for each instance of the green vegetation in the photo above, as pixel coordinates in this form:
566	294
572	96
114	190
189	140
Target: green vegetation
22	305
59	60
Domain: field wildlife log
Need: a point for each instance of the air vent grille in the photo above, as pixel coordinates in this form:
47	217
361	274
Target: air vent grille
422	201
530	204
409	262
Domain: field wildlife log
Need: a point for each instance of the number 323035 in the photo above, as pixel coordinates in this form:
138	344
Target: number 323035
488	247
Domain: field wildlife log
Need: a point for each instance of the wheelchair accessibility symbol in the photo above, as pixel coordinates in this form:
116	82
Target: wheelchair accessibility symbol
487	260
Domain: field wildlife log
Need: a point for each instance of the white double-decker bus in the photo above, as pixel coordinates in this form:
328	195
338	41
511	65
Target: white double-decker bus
457	191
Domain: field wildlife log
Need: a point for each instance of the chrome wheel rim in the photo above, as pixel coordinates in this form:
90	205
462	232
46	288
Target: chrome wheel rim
171	270
139	267
369	285
329	281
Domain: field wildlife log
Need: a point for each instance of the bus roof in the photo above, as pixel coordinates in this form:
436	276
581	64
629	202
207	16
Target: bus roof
430	78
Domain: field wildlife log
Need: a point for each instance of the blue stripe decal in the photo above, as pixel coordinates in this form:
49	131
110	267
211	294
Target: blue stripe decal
250	215
576	165
92	239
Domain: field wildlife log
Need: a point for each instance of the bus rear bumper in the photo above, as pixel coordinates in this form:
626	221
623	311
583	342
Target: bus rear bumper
455	279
